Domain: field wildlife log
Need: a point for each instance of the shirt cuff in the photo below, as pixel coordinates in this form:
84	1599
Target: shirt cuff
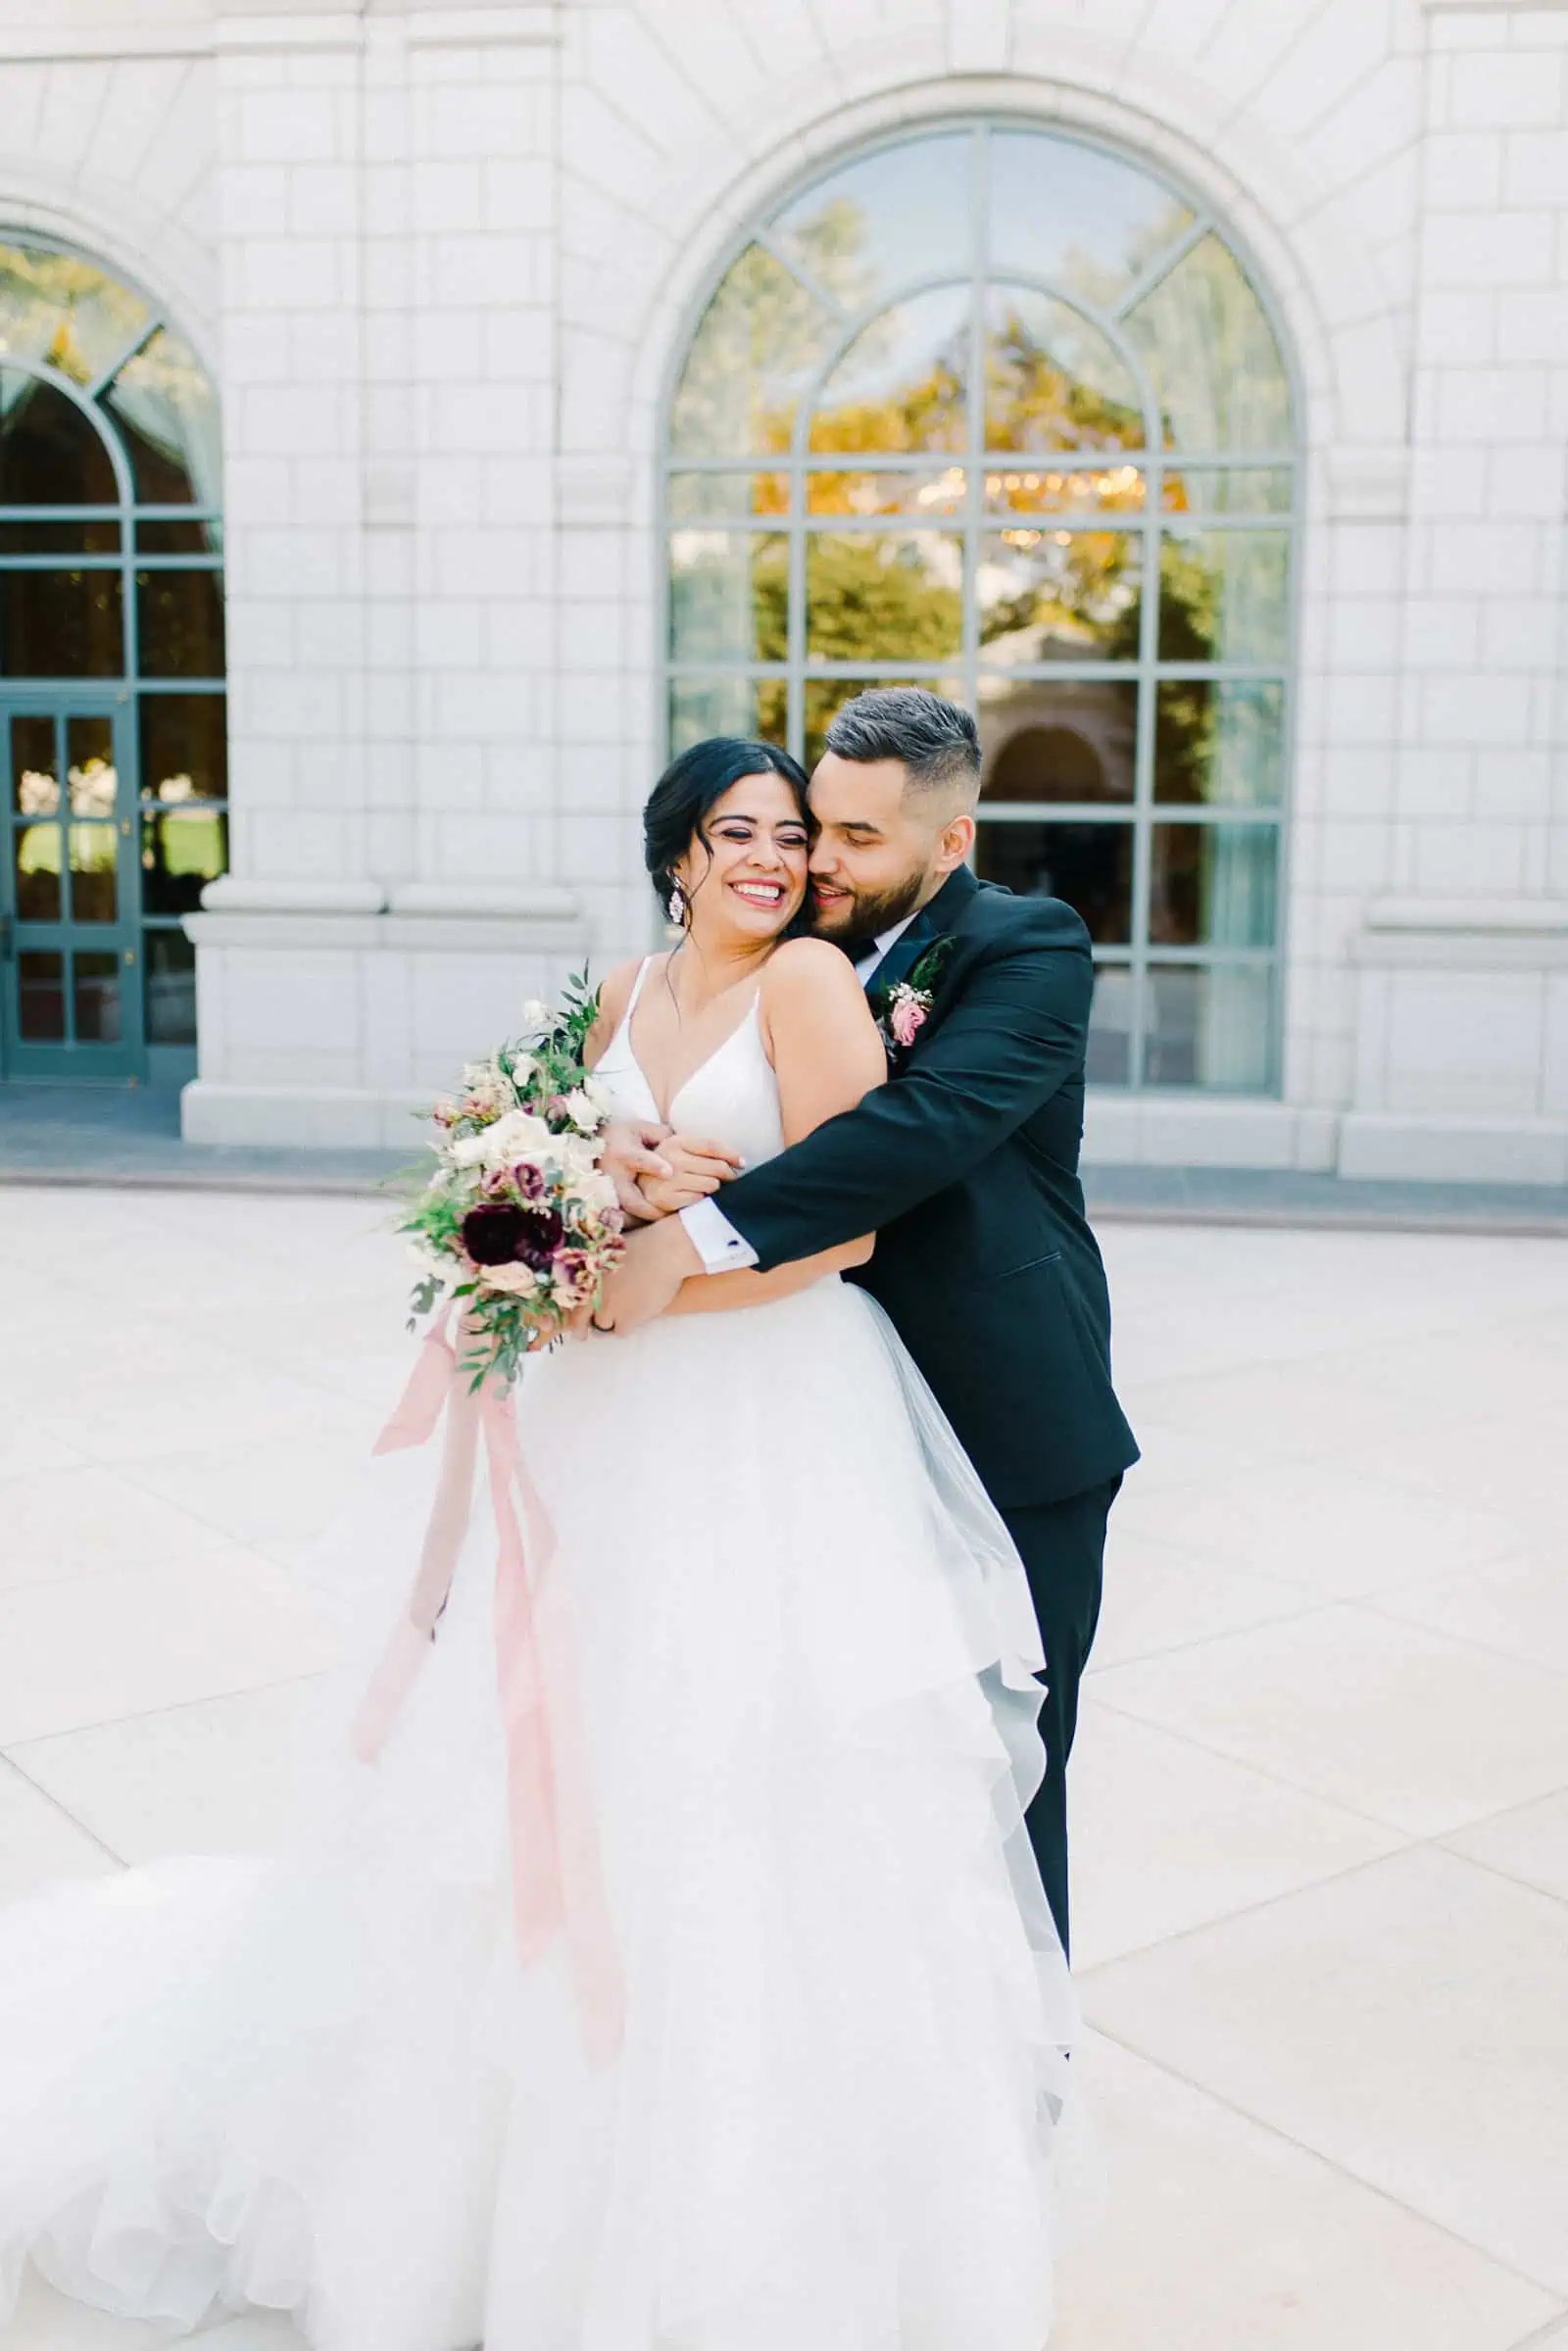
716	1240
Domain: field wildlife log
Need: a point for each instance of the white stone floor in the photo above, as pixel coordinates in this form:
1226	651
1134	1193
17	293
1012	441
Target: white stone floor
1321	1795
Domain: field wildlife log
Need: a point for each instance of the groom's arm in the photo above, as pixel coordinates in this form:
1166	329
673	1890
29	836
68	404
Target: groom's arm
1016	1035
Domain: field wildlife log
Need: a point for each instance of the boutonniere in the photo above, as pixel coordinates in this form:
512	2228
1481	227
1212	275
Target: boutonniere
907	1007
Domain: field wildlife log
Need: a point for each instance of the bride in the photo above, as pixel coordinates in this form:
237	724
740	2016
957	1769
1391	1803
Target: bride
804	1663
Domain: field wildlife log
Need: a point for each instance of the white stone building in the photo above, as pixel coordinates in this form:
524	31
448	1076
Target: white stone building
1185	381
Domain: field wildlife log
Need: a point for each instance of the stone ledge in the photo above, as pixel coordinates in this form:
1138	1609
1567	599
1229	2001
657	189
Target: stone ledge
1479	934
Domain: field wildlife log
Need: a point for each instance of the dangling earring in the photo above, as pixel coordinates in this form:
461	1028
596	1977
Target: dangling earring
679	906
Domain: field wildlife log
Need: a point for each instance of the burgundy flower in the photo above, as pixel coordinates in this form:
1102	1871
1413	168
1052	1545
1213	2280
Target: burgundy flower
499	1235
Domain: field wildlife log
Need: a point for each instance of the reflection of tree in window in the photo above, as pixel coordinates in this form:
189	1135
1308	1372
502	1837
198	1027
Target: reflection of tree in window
1038	399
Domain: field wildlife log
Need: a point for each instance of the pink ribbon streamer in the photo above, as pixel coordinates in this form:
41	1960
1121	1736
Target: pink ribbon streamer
557	1875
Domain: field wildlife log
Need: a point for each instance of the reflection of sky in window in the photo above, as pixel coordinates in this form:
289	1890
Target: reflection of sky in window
1059	209
914	211
903	346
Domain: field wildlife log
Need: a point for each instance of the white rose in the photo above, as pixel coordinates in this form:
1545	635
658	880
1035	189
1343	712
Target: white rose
520	1135
524	1069
536	1016
469	1150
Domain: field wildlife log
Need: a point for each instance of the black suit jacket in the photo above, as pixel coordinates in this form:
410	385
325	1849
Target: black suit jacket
966	1166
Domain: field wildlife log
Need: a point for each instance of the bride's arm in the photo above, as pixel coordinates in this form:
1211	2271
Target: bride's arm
827	1055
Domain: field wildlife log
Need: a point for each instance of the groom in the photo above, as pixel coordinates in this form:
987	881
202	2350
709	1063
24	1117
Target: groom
964	1164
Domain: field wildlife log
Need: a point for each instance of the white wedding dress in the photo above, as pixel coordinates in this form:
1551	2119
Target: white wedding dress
804	1651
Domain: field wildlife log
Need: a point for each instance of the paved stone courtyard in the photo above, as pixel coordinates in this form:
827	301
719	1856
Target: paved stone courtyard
1322	1788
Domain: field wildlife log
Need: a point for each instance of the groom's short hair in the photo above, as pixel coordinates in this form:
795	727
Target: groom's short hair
936	742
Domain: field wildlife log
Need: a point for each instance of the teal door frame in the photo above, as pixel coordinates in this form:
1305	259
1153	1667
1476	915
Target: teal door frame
92	1033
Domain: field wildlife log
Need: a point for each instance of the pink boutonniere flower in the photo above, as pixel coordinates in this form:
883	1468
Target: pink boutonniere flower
907	1008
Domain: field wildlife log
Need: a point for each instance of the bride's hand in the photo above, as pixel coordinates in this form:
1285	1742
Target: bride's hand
630	1152
696	1170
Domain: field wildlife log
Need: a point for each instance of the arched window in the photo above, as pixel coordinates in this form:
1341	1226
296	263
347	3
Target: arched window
994	409
112	707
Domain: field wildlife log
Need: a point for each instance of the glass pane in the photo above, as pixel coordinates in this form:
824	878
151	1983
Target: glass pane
97	995
168	418
169	961
37	872
96	536
56	307
90	758
1209	1026
761	338
1062	210
34	768
181	538
184	747
1059	596
1043	741
179	856
1224	596
1110	1023
93	894
1213	885
179	619
1052	381
902	213
1229	490
749	707
891	596
826	696
1088	864
1211	355
1219	742
901	384
50	454
729	596
1082	490
42	997
920	493
62	624
727	497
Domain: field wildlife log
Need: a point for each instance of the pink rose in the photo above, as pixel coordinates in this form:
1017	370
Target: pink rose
906	1019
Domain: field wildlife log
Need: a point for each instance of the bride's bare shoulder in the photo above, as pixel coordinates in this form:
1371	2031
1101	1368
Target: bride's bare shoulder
808	971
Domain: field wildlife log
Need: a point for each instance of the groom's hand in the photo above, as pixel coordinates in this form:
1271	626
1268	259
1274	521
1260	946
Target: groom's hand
656	1261
631	1151
696	1171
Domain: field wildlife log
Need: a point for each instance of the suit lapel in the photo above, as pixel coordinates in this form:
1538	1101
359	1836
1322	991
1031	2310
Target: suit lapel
933	921
900	959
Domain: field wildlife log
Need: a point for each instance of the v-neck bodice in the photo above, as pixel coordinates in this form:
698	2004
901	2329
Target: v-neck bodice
730	1098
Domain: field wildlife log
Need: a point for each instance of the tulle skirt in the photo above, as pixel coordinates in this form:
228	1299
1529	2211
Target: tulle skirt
804	1665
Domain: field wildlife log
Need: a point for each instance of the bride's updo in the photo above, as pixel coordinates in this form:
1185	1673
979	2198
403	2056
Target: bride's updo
694	781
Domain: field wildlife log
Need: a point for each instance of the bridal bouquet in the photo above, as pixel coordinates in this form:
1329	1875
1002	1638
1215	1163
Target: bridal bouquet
519	1224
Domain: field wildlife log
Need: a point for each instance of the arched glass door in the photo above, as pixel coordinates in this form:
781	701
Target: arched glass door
994	409
112	674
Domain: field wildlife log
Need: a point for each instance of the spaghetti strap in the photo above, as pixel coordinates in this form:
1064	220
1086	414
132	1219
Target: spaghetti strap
643	969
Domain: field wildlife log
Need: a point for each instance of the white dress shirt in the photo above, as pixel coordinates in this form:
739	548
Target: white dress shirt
721	1249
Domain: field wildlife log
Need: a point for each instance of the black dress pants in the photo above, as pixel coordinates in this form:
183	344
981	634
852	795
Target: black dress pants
1063	1550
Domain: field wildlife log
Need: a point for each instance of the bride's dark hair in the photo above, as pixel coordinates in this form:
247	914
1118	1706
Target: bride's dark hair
694	781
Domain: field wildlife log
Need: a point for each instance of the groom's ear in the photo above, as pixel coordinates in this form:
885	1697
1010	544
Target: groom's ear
955	842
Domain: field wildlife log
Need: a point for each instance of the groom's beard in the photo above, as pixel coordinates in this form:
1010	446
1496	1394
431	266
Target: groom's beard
856	923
